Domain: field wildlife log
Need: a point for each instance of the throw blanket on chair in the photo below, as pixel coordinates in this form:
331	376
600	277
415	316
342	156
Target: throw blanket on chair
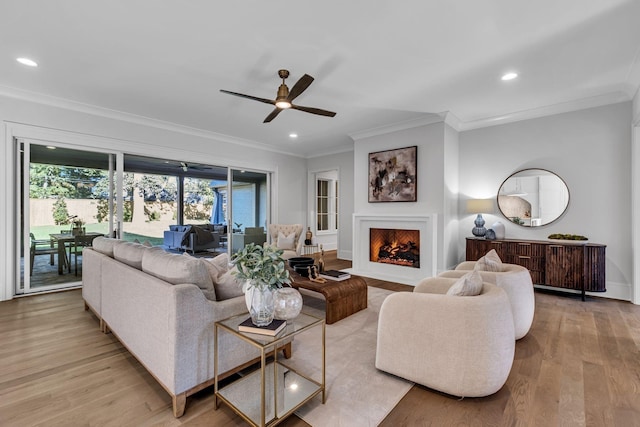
202	236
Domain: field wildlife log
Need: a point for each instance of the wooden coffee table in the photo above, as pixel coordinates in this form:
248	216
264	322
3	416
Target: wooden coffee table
343	298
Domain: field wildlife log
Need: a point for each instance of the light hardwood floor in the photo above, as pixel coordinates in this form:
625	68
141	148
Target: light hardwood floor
579	365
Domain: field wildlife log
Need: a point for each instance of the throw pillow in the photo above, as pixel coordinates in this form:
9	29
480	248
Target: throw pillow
130	253
227	286
286	242
468	285
178	269
105	245
490	262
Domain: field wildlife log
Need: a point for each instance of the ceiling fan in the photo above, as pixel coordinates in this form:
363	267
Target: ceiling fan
285	96
189	166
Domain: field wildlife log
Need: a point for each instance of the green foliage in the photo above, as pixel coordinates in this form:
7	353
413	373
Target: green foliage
193	212
103	210
47	181
517	220
262	265
60	212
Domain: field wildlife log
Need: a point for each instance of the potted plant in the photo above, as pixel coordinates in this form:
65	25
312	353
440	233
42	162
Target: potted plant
263	270
77	227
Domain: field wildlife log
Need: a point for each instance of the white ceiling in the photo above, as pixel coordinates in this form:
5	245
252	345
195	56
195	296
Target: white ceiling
376	65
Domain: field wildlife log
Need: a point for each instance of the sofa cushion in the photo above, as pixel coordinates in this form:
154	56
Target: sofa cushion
130	253
286	242
468	285
105	245
177	269
224	281
490	262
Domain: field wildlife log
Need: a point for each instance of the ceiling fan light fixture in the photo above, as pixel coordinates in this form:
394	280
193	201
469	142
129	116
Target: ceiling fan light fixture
283	104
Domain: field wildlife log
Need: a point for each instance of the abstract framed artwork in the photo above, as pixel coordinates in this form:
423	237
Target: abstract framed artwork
392	175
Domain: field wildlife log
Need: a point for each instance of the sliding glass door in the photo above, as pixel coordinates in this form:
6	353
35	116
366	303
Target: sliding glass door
64	192
249	207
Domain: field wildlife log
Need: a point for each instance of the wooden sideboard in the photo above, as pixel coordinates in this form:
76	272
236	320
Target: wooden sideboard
569	265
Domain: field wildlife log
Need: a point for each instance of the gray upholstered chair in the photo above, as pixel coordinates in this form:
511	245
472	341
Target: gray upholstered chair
460	345
516	282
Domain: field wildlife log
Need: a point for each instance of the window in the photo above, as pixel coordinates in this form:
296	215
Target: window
327	204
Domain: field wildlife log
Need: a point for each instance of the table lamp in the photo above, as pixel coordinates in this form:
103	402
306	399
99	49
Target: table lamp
479	206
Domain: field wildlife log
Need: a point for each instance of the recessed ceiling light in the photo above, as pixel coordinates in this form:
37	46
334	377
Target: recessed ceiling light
293	135
28	62
509	76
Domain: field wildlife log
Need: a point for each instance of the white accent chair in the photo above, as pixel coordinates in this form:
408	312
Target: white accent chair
516	282
459	345
287	229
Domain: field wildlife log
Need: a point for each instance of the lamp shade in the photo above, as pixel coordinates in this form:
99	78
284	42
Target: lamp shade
479	206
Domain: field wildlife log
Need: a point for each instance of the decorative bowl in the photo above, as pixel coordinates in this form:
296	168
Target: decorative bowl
301	260
302	270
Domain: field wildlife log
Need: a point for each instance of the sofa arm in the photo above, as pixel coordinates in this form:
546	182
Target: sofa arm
466	265
434	285
465	344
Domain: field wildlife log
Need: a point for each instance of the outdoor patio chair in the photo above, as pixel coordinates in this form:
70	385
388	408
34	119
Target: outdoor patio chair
42	247
80	242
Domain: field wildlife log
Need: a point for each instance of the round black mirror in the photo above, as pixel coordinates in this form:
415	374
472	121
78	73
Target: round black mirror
533	197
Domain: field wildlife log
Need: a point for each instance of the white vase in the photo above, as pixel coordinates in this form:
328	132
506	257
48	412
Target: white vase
287	303
498	228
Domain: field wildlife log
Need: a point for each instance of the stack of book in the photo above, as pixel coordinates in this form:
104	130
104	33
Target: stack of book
272	329
335	275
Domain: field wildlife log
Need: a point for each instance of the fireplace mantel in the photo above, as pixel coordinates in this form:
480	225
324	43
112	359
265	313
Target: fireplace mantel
362	266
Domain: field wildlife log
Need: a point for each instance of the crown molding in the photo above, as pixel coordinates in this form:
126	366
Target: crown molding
80	107
534	113
428	119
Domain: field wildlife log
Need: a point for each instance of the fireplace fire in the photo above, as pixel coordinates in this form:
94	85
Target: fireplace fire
395	246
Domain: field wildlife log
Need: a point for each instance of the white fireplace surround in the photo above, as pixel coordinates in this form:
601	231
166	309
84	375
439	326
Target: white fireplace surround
362	266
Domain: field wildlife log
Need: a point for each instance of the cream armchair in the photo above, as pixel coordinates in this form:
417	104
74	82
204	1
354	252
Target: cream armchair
458	345
286	230
516	282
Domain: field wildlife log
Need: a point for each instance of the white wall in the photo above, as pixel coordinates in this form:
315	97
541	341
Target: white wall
343	163
591	150
436	174
136	136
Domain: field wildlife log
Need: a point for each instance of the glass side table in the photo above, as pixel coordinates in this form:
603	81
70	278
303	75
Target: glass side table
266	396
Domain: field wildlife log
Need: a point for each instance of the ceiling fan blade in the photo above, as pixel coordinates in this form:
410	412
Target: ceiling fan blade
300	86
273	115
311	110
255	98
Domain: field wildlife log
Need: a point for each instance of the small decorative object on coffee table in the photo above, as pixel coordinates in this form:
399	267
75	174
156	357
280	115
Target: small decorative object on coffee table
263	270
308	236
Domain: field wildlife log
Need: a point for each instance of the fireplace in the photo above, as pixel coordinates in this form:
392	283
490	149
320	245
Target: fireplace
425	227
395	246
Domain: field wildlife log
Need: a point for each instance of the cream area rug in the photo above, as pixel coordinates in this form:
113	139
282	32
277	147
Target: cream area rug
358	394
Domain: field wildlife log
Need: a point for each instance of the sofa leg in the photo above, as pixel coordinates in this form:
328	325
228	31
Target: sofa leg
105	327
287	351
86	306
179	404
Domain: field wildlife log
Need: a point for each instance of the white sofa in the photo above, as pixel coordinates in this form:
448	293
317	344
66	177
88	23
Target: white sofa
460	345
516	282
163	307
